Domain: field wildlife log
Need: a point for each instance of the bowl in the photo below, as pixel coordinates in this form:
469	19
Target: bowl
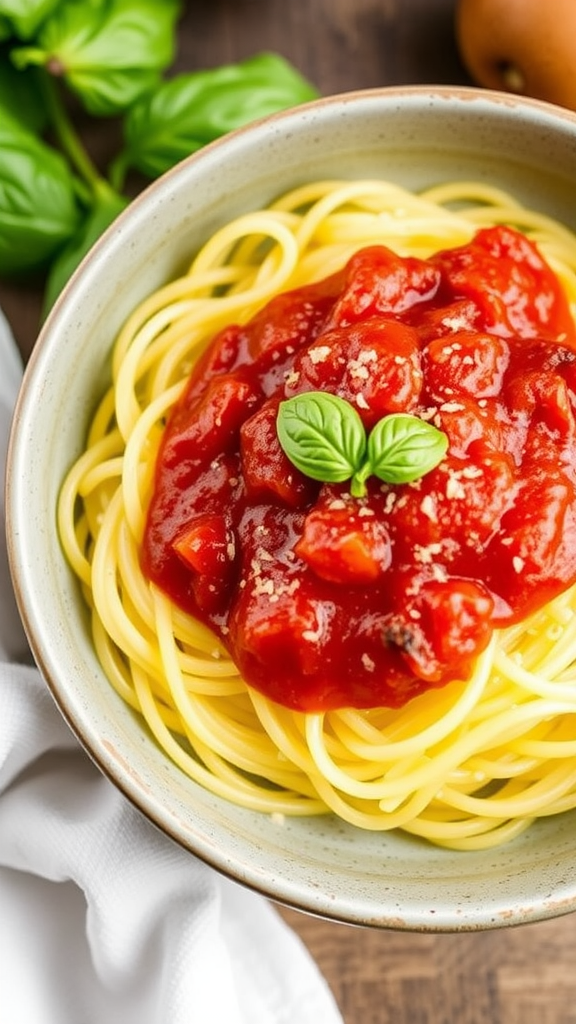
416	137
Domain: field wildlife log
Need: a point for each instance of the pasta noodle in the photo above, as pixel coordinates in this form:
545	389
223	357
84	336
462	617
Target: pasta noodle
467	766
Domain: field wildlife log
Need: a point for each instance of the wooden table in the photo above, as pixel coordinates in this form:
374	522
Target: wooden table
512	976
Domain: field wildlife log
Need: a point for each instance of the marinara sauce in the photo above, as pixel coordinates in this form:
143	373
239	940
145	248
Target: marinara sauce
324	600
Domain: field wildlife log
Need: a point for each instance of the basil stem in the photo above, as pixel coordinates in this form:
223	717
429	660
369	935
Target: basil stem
67	137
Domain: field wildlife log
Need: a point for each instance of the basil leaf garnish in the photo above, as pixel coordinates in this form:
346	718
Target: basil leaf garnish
402	448
322	435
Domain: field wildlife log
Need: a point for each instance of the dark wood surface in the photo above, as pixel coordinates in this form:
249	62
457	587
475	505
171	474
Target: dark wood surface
525	975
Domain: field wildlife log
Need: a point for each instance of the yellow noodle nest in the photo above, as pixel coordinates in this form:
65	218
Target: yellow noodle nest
468	766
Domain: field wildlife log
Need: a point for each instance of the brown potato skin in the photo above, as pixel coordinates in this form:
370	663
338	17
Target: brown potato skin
522	46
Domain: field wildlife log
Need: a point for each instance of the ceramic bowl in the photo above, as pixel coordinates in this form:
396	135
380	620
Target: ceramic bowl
415	136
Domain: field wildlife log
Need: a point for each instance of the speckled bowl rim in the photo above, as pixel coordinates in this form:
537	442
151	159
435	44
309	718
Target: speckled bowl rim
433	890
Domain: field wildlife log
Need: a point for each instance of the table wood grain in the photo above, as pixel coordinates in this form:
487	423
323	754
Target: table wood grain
524	975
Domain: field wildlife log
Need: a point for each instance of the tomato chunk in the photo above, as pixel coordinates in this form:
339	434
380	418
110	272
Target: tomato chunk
509	281
472	363
343	545
378	282
446	621
374	364
208	547
289	321
212	423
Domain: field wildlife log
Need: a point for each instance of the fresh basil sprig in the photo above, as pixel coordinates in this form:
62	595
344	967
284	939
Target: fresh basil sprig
112	54
324	437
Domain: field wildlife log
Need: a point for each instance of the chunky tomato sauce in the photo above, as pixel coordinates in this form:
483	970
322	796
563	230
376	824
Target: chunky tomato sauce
325	600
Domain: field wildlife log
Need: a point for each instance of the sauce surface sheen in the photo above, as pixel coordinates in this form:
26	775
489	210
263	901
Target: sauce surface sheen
324	600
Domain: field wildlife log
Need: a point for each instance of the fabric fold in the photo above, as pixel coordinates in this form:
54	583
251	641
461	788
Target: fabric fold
104	920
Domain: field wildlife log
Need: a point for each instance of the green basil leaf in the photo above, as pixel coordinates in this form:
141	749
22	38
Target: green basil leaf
186	112
109	52
402	448
106	208
21	97
322	435
26	16
38	209
5	28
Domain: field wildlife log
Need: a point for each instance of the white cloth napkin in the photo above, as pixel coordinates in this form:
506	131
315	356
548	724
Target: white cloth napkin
103	920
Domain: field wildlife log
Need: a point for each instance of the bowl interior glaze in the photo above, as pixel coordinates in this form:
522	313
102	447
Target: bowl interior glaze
414	136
